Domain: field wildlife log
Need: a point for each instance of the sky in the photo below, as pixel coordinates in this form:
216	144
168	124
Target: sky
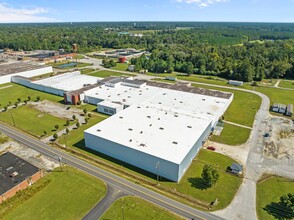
15	11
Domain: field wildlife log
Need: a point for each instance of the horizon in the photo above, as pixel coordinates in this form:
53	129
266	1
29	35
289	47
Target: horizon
245	11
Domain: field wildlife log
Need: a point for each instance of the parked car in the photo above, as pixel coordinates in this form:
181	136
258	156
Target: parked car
211	148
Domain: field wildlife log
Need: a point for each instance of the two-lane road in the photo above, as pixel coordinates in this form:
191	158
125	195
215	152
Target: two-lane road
114	180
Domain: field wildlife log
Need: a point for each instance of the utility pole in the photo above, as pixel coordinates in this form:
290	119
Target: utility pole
65	140
157	169
60	163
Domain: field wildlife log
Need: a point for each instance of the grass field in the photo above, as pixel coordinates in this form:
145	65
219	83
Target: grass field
31	120
224	190
243	107
68	195
287	84
136	208
121	66
269	191
106	73
76	137
16	91
232	135
86	71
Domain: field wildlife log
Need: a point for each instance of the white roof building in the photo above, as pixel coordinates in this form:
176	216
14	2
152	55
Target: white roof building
161	125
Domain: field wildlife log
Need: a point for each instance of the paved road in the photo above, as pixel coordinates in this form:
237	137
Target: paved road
111	196
116	181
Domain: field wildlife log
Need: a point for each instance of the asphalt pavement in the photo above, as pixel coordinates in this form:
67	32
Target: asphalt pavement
117	182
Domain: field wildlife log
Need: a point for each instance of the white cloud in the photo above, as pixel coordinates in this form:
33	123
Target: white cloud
202	3
10	14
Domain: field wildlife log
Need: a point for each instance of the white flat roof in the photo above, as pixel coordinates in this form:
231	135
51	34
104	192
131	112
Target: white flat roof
124	94
68	81
166	125
110	104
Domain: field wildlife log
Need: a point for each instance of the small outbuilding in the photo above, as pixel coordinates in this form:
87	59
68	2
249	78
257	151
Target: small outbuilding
236	83
282	109
289	111
276	107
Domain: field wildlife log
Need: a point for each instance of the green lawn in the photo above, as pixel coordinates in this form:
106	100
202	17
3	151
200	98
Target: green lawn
136	208
16	91
287	84
76	137
106	73
232	135
31	120
121	66
269	191
68	195
224	190
243	107
86	71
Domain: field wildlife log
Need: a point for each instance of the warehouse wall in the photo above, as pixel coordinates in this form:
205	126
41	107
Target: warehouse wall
28	74
139	159
184	166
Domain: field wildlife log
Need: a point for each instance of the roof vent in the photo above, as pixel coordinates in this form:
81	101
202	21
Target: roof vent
98	130
130	129
142	145
158	119
148	116
121	117
189	126
174	142
176	116
203	99
161	128
130	140
150	125
141	132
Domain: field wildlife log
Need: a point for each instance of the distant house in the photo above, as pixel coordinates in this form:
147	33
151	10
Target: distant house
289	111
236	83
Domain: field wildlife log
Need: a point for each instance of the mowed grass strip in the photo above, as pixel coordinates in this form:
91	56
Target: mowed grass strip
121	66
232	135
136	208
69	195
287	84
32	121
224	190
11	94
106	73
269	191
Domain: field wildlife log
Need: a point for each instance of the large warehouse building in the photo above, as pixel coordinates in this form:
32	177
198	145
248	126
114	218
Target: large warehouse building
22	69
61	85
160	129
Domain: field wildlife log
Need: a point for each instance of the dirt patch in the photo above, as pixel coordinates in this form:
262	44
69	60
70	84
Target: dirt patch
57	110
279	144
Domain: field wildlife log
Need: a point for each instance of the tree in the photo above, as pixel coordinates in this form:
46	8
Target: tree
56	127
66	130
86	120
209	175
89	115
16	104
67	122
19	99
85	111
29	98
45	133
38	98
55	136
74	117
5	108
25	102
78	124
288	202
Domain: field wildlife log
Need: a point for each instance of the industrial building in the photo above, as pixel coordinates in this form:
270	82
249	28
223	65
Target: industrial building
22	69
236	83
155	128
16	174
61	85
289	111
124	54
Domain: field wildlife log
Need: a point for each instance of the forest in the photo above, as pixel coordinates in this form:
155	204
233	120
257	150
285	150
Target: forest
241	51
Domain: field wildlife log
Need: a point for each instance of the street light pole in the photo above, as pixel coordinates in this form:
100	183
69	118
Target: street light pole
157	169
12	118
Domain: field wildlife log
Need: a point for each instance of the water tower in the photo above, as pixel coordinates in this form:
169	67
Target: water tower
74	48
